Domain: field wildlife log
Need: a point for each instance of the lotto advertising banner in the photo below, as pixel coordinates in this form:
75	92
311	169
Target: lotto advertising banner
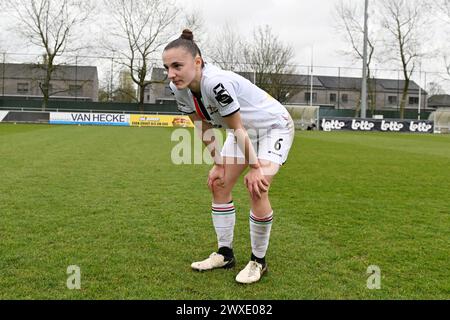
106	119
149	120
383	125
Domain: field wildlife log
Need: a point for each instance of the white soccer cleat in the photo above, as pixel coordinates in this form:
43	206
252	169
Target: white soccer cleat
251	273
214	261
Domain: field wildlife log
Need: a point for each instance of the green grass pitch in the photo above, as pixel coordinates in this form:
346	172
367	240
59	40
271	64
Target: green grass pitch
109	200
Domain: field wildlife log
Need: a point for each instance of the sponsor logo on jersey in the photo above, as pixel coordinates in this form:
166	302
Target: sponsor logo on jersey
277	154
222	95
212	109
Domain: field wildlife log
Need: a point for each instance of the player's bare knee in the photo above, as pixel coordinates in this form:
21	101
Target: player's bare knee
220	187
269	168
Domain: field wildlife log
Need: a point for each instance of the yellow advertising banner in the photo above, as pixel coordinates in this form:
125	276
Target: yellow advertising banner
151	120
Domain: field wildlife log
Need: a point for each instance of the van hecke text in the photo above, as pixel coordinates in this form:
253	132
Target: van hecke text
98	117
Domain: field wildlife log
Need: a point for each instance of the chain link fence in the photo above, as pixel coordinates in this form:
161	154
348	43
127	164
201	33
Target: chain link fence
328	86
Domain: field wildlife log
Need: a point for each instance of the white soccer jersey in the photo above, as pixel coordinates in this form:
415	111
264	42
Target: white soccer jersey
224	93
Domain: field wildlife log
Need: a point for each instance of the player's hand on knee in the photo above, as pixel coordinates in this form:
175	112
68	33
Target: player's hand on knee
256	182
216	177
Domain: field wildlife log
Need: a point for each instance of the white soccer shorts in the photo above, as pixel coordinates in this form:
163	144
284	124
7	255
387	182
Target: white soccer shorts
270	144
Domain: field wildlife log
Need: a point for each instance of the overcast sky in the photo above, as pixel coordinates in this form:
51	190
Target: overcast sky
301	23
304	24
309	26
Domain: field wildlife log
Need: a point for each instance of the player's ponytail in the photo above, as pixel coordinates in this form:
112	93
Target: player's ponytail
186	40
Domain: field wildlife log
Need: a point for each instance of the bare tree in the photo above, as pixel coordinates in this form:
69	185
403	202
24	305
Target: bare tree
350	23
434	88
441	10
49	24
405	22
228	49
195	22
145	27
271	63
126	91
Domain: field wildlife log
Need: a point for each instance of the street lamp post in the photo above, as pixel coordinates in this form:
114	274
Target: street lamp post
364	77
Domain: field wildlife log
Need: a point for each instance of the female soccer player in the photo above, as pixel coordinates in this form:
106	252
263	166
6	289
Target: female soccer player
260	133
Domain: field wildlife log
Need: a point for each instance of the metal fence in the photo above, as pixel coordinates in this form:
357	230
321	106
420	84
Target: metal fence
340	96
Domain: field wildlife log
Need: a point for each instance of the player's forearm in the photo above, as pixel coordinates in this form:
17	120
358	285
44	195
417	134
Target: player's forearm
215	153
246	147
210	142
242	139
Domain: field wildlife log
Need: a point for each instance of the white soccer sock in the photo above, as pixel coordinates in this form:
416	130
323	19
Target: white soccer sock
224	218
260	234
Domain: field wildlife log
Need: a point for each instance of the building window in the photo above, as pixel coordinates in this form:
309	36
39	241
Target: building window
308	95
22	87
332	97
344	98
392	100
414	100
75	90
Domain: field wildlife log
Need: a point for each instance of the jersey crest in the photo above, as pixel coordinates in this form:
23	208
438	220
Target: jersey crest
222	95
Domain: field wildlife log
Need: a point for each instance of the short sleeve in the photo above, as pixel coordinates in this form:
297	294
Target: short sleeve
182	105
223	95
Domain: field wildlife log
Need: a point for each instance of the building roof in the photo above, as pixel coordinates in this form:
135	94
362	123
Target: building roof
439	100
34	71
329	82
323	82
289	79
353	83
393	84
